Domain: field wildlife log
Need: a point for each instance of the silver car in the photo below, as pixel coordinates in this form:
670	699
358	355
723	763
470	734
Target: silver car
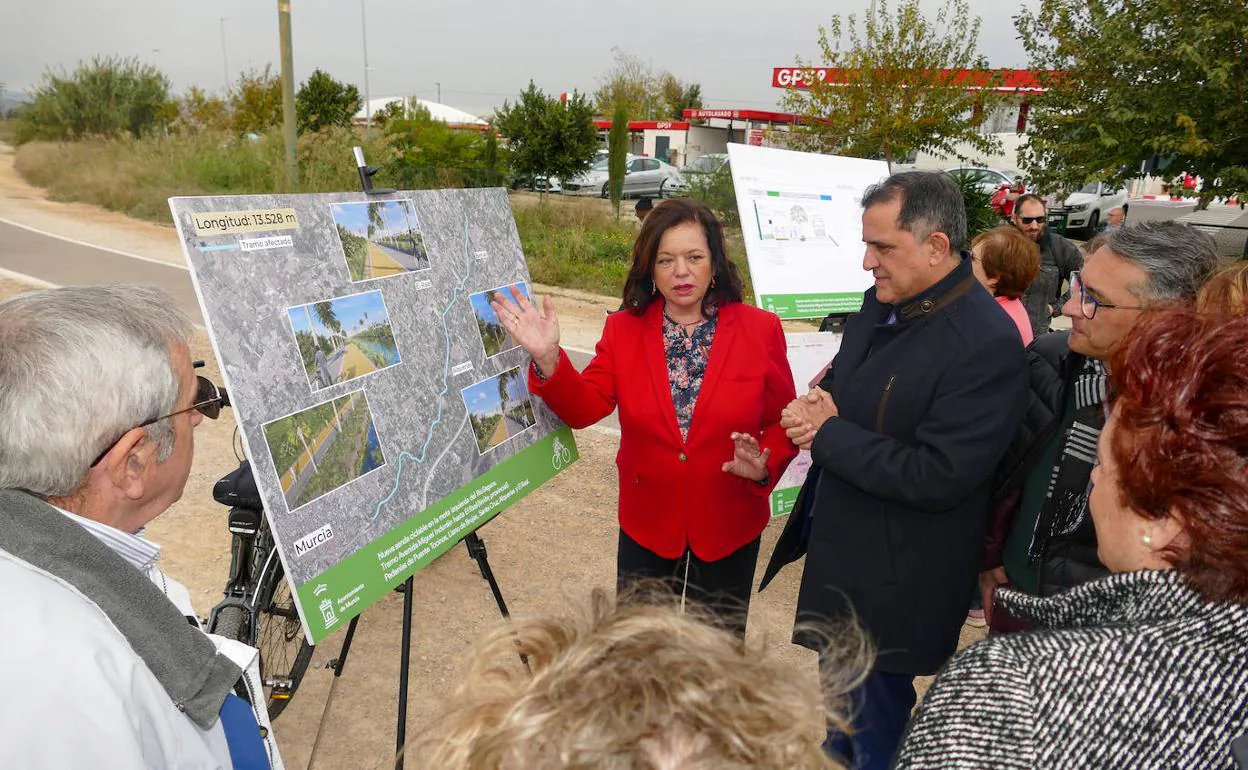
643	177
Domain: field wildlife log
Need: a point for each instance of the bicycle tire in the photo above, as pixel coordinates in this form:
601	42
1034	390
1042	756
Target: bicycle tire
231	622
284	651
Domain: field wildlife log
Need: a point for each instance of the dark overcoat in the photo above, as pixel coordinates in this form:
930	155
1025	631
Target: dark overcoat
892	515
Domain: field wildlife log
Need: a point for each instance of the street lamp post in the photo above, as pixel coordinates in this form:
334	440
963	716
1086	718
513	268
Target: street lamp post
368	107
225	59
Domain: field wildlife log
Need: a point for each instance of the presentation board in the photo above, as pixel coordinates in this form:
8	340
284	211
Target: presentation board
384	407
801	218
809	354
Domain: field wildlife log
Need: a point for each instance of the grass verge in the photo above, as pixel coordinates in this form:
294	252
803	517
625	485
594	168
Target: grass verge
573	243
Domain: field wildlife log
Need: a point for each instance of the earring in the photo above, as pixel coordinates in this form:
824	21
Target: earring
712	282
1148	539
653	288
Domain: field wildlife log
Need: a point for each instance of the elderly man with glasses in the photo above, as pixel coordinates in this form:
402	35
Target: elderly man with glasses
105	665
1058	259
1041	539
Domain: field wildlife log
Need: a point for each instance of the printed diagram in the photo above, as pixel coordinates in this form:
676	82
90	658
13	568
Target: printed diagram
494	337
787	219
499	408
324	447
343	338
380	238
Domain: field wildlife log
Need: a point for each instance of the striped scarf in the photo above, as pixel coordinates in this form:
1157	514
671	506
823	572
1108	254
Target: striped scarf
1066	502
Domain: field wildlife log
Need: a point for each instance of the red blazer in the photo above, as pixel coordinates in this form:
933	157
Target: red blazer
674	492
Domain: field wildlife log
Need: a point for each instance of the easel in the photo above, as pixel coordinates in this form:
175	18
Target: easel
476	551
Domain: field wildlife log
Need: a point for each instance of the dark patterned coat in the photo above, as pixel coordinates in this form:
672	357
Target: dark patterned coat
1133	670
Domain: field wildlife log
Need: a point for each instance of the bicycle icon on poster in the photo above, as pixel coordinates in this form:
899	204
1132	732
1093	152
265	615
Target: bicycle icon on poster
562	455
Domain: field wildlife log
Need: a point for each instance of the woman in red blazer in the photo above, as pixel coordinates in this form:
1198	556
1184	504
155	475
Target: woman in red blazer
699	379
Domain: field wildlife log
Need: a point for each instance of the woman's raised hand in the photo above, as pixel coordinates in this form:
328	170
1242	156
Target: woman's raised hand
535	331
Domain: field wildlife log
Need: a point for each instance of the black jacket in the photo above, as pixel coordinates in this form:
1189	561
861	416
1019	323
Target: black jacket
1066	560
1058	259
893	511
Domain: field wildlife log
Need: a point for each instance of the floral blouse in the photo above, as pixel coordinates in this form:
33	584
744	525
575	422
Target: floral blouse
686	364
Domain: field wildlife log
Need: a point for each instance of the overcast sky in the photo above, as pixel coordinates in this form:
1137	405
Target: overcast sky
481	52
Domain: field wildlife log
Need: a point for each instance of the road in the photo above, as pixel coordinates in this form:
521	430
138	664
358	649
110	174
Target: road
514	426
48	258
407	261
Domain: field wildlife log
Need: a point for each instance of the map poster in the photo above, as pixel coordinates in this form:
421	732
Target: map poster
385	409
801	218
809	356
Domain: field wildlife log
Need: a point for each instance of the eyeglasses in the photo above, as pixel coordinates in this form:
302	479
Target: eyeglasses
1088	304
208	401
1031	220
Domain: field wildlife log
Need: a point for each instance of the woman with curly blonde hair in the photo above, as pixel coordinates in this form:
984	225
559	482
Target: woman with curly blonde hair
633	686
1226	293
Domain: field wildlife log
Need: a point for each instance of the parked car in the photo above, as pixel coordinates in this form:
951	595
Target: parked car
1086	209
707	163
594	181
1003	185
642	177
652	177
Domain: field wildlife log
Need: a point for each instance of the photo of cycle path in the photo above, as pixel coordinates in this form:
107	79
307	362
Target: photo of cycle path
322	448
499	408
494	336
380	238
343	338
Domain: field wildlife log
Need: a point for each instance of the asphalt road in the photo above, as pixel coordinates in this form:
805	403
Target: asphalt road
69	263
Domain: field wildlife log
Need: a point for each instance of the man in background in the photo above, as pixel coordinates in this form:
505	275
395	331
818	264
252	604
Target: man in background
1058	259
1041	539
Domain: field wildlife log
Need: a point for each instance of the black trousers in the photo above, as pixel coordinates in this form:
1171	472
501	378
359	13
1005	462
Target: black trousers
722	586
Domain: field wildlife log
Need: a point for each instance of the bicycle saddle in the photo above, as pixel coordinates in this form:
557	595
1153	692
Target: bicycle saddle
238	488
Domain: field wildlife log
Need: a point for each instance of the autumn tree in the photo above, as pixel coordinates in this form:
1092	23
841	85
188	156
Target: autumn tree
200	110
547	137
322	102
256	101
643	93
1134	81
902	89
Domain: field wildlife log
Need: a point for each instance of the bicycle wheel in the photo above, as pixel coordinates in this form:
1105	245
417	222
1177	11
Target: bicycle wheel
284	652
232	622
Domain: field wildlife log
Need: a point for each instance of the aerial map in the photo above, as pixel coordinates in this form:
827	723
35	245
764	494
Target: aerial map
385	412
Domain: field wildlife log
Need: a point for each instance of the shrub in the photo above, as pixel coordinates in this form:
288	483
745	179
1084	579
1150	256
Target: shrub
108	97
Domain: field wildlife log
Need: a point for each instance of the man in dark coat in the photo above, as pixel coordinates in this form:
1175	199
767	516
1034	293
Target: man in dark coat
904	433
1058	259
1041	540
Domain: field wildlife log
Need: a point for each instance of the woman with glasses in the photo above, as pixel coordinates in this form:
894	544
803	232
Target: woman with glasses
1148	666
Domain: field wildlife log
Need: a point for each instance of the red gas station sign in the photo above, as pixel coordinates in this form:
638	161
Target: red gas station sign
997	80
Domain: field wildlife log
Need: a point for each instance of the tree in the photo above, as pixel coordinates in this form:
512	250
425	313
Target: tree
328	318
546	137
643	93
109	96
678	97
1137	80
617	151
256	102
198	110
904	92
323	101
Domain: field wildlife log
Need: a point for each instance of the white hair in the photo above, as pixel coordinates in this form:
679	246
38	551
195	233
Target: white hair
80	366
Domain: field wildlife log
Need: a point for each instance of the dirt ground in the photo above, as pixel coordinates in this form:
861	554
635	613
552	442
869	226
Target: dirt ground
548	550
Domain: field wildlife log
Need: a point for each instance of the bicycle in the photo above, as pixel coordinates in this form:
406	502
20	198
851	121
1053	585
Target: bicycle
258	608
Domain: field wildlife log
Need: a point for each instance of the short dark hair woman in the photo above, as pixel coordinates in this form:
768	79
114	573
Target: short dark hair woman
1147	667
699	379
